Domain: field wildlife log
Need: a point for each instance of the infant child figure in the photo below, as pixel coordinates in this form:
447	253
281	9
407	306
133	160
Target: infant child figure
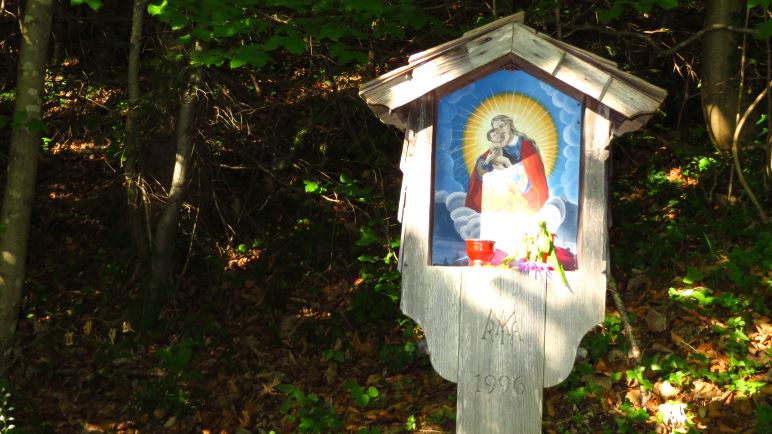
496	156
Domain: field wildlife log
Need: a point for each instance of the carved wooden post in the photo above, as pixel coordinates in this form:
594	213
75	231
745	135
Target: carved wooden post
506	138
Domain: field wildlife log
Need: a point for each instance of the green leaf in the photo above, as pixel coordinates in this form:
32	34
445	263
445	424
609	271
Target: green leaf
175	357
93	4
693	276
344	55
667	4
331	32
372	392
285	388
606	15
373	8
361	398
705	163
368	259
157	9
293	44
214	57
311	186
201	34
410	423
763	3
576	395
764	30
225	31
367	236
285	405
306	423
249	55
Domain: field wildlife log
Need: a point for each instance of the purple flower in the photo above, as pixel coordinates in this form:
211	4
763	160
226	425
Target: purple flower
526	265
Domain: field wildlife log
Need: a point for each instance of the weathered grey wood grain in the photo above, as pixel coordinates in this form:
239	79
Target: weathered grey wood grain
533	49
500	380
572	313
582	76
427	76
430	295
407	151
621	94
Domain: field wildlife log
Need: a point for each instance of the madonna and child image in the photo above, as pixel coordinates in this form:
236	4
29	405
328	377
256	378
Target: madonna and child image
507	158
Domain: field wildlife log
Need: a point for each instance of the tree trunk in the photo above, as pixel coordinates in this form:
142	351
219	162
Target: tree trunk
22	167
137	199
158	287
720	69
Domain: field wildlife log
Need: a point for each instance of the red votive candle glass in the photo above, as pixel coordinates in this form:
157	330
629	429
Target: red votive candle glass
480	251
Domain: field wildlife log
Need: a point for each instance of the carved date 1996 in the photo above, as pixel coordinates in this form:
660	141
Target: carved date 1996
502	384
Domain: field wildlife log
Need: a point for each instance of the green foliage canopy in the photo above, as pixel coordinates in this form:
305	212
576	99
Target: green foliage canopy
252	32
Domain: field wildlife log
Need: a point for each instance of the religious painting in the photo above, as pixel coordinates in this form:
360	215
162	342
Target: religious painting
506	161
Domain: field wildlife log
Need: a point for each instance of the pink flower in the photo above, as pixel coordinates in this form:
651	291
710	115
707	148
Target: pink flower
526	265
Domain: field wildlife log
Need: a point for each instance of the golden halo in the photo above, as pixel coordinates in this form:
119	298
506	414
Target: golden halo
530	118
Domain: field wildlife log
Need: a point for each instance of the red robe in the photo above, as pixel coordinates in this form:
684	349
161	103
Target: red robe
537	193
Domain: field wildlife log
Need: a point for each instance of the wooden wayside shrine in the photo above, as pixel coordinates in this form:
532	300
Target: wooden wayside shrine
506	129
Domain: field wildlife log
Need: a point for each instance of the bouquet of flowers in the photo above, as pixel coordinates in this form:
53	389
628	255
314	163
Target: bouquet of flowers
537	253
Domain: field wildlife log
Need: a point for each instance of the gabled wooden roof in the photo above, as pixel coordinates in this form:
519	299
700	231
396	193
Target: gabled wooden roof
632	99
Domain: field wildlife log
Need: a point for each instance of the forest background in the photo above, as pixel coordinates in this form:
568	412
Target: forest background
208	216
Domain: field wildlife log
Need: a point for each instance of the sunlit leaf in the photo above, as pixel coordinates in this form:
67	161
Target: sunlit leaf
157	9
311	186
372	392
93	4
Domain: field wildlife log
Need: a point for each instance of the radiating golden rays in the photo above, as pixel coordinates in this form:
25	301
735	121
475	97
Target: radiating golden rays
530	118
